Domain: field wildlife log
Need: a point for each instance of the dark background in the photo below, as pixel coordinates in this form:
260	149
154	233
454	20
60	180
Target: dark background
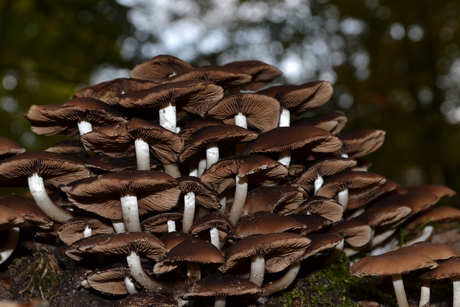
395	65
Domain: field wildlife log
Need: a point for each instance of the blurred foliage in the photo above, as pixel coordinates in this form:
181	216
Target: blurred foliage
395	65
49	49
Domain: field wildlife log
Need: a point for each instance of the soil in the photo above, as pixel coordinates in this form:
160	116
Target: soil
39	274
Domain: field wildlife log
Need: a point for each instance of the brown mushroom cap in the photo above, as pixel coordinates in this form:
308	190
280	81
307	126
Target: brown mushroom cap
353	232
300	98
391	263
290	138
280	250
209	221
361	143
221	175
224	76
218	284
106	90
194	97
434	215
435	251
160	68
155	191
283	199
190	250
322	206
332	122
262	73
264	223
28	209
205	136
63	117
145	244
9	148
72	230
9	218
158	223
110	281
56	169
449	268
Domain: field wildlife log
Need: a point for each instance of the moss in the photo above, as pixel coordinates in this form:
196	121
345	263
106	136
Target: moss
333	285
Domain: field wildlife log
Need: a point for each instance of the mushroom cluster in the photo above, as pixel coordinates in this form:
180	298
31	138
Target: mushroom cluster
185	183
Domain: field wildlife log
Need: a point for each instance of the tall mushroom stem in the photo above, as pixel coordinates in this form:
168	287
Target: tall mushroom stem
456	289
283	282
257	269
189	211
212	154
168	116
343	198
285	118
130	210
398	285
241	120
142	149
85	127
241	192
38	191
138	273
318	183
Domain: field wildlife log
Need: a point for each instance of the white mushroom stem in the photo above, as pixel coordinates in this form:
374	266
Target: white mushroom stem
189	211
241	120
167	115
138	273
201	166
172	169
285	157
425	293
212	154
223	203
171	225
343	198
87	232
130	285
142	149
130	210
283	282
398	285
12	240
220	301
38	191
241	192
318	183
456	289
426	234
215	239
118	226
85	127
285	118
257	269
335	252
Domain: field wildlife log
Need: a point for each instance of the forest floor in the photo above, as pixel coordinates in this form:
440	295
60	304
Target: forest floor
39	274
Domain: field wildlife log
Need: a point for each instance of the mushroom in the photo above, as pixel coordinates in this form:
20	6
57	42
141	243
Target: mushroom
125	196
220	286
131	245
40	169
296	99
216	225
393	264
115	281
283	140
449	268
261	73
266	252
10	221
160	68
255	111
